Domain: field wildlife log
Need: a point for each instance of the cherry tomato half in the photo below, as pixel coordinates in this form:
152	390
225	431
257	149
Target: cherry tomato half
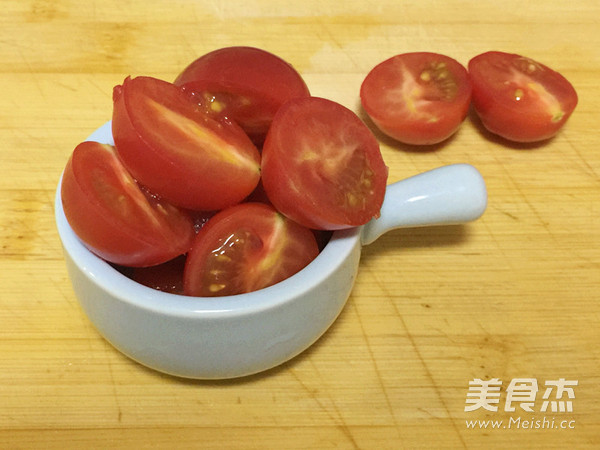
179	152
321	165
519	98
417	98
245	84
245	248
114	217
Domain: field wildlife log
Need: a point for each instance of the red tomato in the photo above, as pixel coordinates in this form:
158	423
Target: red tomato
417	98
245	84
177	151
322	166
518	98
114	217
245	248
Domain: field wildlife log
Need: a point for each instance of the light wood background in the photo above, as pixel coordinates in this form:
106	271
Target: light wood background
513	295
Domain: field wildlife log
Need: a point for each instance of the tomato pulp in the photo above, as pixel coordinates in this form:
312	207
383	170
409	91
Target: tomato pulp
417	98
245	84
245	248
321	165
179	152
518	98
114	217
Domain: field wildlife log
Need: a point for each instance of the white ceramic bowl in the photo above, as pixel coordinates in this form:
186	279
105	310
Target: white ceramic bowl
227	337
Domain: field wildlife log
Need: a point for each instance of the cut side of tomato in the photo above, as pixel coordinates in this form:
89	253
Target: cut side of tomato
251	109
179	152
244	248
417	98
518	98
322	166
114	217
244	84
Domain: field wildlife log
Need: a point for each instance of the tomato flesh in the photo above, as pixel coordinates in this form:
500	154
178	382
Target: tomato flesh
249	108
518	98
114	217
179	152
321	165
245	84
417	98
245	248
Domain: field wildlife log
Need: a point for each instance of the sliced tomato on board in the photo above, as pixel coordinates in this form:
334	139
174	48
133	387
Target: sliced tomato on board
245	84
114	217
244	248
179	152
322	166
417	98
518	98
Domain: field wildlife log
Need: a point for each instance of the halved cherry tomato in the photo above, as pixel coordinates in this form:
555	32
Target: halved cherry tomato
245	248
519	98
114	217
417	98
179	152
245	84
321	165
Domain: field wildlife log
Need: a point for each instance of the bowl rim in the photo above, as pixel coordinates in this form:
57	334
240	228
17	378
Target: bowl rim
118	286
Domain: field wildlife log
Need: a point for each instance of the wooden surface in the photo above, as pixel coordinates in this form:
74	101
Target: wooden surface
513	295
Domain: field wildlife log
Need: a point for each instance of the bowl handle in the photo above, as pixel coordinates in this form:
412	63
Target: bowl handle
447	195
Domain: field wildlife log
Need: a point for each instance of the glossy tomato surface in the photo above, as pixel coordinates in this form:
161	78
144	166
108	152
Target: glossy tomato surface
179	152
417	98
114	217
518	98
245	84
321	165
245	248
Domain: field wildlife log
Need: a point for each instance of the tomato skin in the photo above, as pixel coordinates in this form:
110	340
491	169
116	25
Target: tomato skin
518	98
244	248
322	166
418	98
245	84
177	151
114	217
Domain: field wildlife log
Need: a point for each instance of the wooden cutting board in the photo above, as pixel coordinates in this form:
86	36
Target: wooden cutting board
512	297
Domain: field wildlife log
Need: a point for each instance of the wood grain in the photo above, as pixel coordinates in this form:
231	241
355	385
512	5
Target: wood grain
512	295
